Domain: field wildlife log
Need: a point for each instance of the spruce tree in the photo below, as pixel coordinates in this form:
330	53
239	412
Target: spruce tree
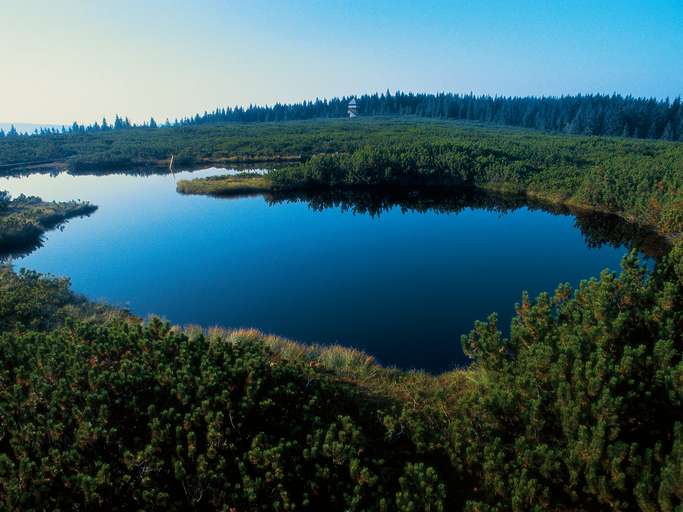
679	128
668	133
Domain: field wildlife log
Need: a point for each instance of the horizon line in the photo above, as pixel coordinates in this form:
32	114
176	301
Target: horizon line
176	119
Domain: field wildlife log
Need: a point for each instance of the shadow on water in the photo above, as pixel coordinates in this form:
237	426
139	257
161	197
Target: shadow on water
598	229
25	246
19	250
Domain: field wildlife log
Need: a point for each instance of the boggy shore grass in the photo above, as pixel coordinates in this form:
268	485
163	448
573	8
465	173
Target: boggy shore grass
240	184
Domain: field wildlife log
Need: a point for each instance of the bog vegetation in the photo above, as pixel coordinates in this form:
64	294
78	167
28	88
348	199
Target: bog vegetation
579	409
197	144
25	218
641	181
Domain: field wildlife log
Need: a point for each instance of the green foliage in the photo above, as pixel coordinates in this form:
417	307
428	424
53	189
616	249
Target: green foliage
579	409
151	418
5	200
421	490
237	184
639	180
582	407
33	301
639	184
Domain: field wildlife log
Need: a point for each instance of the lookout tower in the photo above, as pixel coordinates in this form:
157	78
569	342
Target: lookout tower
352	108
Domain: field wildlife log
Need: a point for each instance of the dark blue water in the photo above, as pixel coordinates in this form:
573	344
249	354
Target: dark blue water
402	285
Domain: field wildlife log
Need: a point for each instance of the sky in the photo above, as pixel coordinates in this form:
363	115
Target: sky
69	60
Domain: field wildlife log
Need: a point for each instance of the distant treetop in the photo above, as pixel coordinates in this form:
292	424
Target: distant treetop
593	114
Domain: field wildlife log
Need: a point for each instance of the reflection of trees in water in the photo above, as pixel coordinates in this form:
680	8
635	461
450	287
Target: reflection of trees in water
8	254
374	202
598	229
607	229
11	252
137	171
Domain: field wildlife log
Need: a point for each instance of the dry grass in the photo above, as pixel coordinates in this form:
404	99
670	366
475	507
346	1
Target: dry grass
247	183
438	396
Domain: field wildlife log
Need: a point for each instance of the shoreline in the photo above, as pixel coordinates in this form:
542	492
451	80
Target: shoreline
28	219
13	169
249	184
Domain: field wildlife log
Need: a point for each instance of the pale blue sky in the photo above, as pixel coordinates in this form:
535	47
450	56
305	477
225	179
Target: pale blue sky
79	60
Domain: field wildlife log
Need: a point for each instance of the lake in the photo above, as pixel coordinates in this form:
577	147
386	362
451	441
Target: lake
400	275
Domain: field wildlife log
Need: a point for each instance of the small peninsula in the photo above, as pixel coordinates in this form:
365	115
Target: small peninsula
24	219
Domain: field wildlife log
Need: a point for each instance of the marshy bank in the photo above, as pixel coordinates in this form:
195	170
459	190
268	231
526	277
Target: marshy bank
406	265
194	419
24	219
569	401
644	187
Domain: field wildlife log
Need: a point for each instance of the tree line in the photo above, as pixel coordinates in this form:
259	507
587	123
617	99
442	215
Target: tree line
642	186
589	114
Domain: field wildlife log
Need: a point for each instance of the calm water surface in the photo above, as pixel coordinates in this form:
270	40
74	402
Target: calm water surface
402	285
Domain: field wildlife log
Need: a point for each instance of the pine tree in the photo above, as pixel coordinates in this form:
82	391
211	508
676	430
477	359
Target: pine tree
652	132
576	125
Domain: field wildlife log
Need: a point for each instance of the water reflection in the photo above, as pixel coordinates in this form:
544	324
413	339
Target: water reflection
400	274
598	229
